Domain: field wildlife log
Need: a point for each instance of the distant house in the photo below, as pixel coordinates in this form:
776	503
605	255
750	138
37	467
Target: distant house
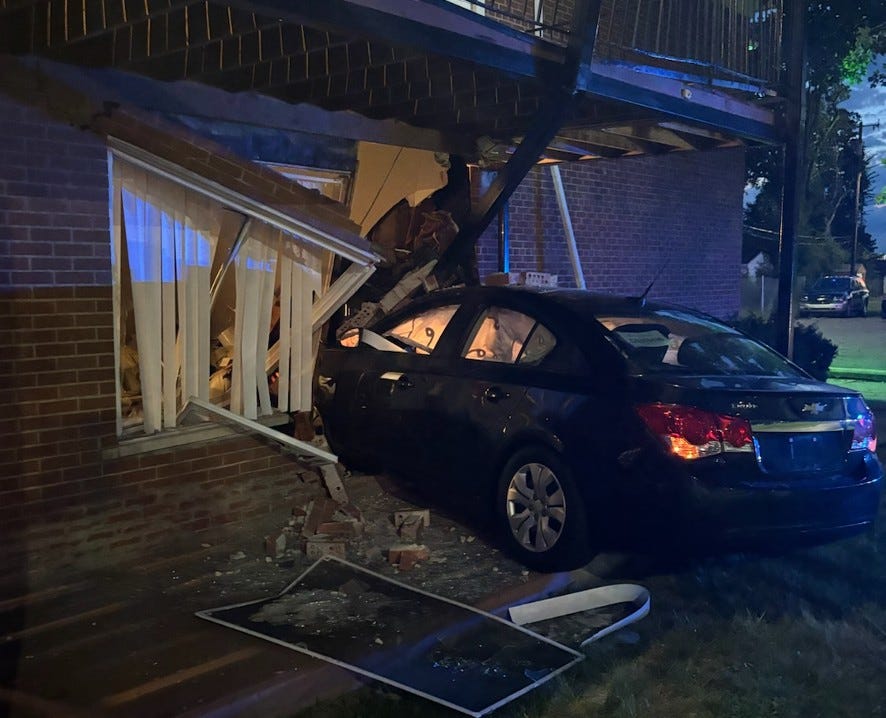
758	265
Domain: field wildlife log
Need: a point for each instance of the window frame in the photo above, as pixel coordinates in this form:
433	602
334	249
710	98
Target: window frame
297	224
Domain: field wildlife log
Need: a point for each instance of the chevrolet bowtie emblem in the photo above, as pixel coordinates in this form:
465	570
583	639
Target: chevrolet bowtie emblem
813	408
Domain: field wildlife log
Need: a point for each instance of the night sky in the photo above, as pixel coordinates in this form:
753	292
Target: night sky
870	103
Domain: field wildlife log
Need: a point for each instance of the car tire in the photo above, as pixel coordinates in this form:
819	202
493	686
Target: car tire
542	515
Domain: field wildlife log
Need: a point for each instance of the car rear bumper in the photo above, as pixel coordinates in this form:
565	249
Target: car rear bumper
759	515
754	514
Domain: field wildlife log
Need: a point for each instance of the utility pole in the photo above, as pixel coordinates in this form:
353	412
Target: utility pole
854	254
794	42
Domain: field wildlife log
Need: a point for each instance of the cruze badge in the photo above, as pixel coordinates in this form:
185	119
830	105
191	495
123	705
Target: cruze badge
744	405
813	408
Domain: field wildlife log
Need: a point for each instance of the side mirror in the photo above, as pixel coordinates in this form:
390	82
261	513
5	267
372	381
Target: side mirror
350	338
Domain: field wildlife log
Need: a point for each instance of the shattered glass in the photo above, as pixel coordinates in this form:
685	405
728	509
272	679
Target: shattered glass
447	652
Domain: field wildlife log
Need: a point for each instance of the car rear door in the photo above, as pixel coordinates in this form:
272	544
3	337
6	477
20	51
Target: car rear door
474	399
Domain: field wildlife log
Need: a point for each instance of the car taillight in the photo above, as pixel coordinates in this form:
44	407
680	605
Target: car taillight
692	433
864	434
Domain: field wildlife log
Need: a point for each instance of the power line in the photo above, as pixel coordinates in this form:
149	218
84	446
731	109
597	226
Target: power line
775	234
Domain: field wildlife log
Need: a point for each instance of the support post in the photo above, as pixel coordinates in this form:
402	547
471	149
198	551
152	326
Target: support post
577	271
504	239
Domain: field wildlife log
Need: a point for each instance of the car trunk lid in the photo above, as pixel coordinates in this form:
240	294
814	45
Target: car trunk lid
799	427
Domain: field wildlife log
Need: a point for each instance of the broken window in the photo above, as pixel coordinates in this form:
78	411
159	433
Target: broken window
209	302
504	335
422	331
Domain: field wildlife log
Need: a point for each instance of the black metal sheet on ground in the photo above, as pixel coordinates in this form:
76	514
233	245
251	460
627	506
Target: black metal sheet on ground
434	647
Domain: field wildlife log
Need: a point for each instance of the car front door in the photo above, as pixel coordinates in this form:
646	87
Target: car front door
395	390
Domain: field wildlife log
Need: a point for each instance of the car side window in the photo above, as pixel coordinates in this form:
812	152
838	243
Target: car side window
421	332
508	336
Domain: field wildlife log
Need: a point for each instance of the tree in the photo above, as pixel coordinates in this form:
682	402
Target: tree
844	36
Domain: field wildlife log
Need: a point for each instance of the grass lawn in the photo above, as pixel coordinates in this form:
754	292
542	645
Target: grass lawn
801	633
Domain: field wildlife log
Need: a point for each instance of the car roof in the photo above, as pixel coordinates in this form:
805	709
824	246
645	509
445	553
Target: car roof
577	300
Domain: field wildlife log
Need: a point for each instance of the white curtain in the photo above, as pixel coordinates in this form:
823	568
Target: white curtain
300	284
265	256
171	234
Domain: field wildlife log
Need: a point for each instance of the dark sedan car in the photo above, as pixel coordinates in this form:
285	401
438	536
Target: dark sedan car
576	418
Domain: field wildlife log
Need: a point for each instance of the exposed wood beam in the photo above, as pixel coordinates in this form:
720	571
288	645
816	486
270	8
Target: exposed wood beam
651	133
600	138
684	129
579	148
697	142
561	154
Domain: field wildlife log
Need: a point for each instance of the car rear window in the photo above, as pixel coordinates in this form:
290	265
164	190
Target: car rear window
672	340
831	284
508	336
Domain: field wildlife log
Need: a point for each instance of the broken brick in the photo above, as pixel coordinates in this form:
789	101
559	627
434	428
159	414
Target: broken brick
352	511
316	547
410	523
411	529
270	545
319	512
304	427
406	556
275	545
403	514
332	480
337	528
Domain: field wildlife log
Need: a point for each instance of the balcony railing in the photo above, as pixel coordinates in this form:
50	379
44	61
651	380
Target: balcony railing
724	41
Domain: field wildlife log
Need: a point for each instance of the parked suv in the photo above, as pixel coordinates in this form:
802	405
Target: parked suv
839	295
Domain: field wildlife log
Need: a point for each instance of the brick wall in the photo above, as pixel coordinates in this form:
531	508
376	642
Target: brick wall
66	503
61	502
631	217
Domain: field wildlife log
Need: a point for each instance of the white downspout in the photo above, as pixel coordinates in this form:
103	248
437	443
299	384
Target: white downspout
567	227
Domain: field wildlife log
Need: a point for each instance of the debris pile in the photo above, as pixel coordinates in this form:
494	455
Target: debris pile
327	525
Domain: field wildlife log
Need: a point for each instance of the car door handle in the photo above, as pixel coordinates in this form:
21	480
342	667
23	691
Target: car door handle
494	394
